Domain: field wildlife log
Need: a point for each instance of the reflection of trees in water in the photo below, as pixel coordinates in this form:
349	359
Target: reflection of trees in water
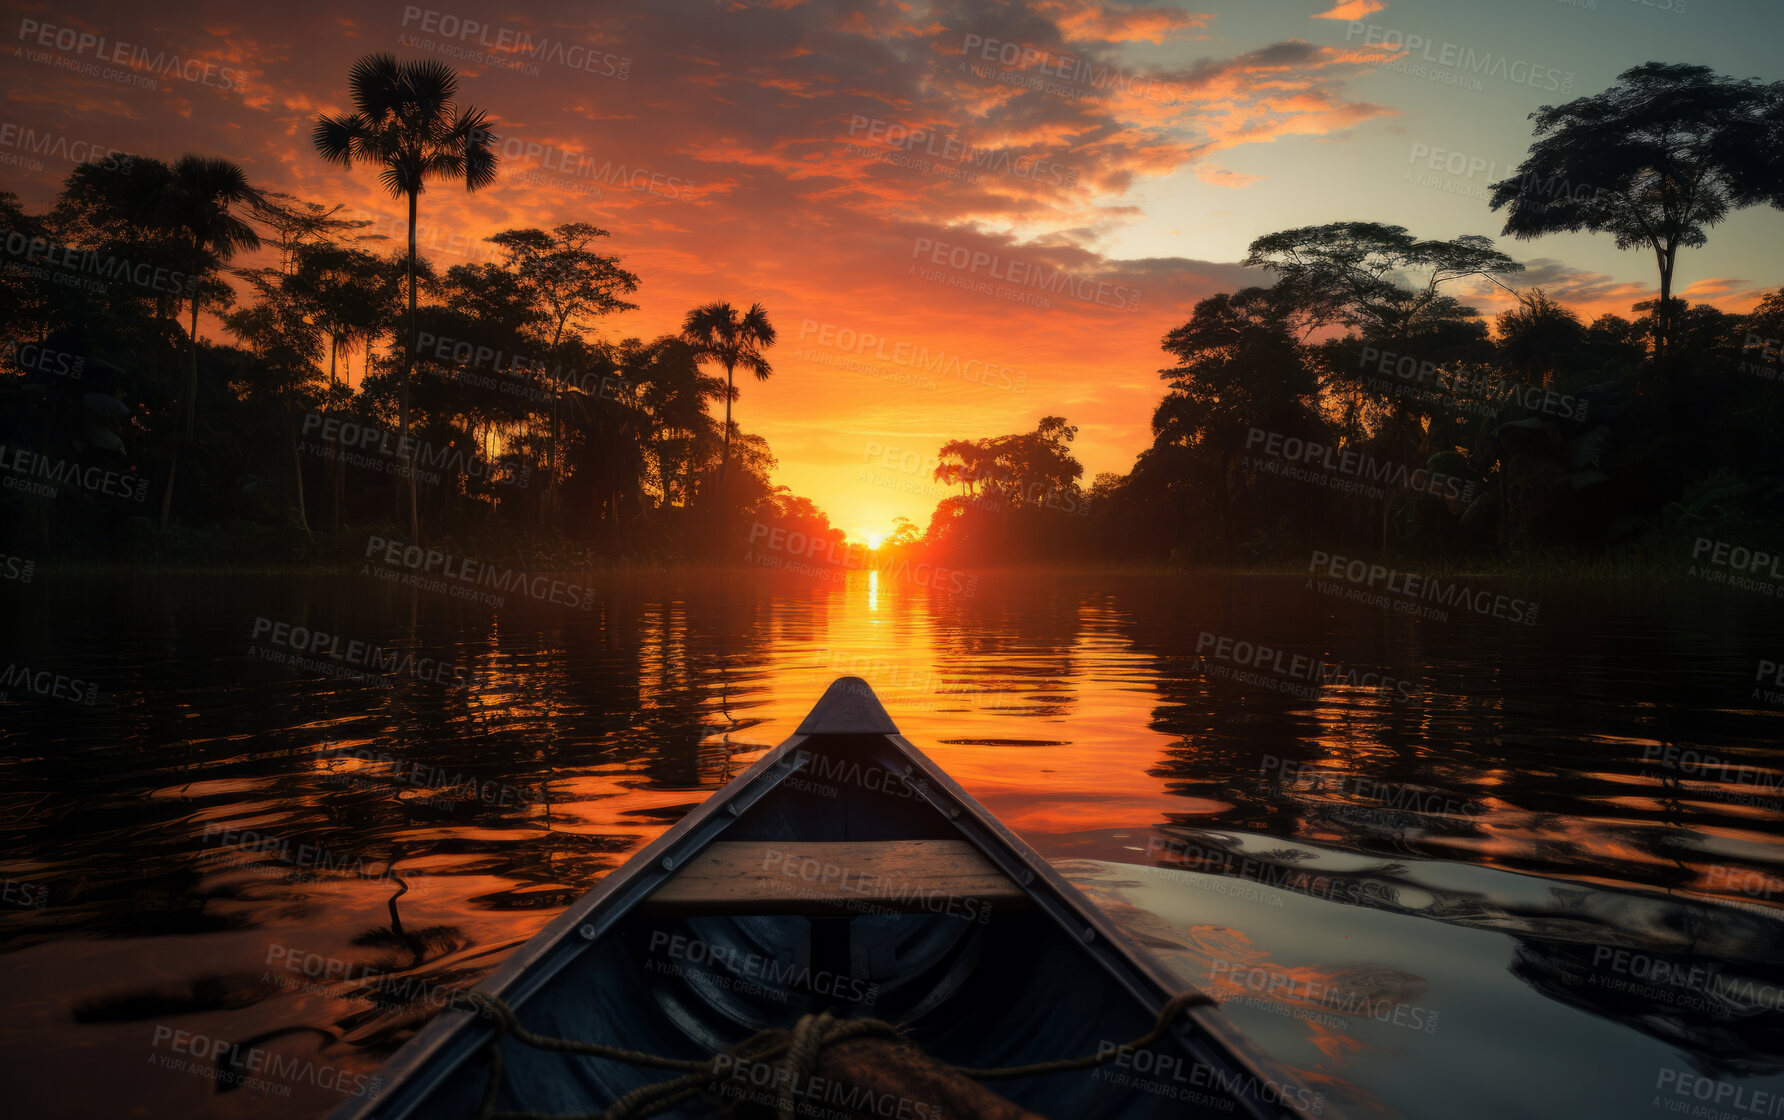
705	672
1516	784
1016	640
1699	977
407	985
1717	997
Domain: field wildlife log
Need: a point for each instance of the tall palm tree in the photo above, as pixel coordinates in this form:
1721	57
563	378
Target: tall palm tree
718	332
406	123
192	206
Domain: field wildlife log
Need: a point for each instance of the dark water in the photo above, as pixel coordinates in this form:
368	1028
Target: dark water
1547	856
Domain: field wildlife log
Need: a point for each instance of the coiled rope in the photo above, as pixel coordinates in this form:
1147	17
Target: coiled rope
797	1051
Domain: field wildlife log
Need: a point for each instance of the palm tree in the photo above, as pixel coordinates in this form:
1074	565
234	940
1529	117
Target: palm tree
192	206
717	331
406	125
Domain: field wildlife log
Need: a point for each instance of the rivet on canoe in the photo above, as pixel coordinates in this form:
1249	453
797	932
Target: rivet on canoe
668	863
1088	934
953	810
733	808
588	931
1027	876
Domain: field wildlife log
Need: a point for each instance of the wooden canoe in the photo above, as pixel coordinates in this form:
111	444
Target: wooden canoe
842	872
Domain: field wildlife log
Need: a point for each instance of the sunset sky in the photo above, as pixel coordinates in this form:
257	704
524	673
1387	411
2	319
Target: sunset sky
750	152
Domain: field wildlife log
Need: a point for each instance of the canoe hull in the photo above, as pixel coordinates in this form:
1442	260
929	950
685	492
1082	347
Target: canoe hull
976	980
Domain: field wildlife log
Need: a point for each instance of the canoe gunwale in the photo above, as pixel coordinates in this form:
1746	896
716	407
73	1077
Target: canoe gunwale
1139	974
455	1036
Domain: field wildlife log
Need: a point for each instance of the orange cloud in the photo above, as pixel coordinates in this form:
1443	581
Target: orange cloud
1352	9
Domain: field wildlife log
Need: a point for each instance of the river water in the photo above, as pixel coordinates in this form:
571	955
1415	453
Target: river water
1547	851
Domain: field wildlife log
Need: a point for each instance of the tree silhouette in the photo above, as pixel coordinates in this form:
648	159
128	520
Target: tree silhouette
406	125
190	203
1654	161
1364	275
1239	367
572	282
718	332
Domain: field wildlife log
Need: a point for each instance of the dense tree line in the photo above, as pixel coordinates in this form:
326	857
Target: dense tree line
487	401
1353	401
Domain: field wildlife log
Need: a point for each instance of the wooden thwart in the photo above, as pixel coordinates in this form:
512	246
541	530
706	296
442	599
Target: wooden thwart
839	877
